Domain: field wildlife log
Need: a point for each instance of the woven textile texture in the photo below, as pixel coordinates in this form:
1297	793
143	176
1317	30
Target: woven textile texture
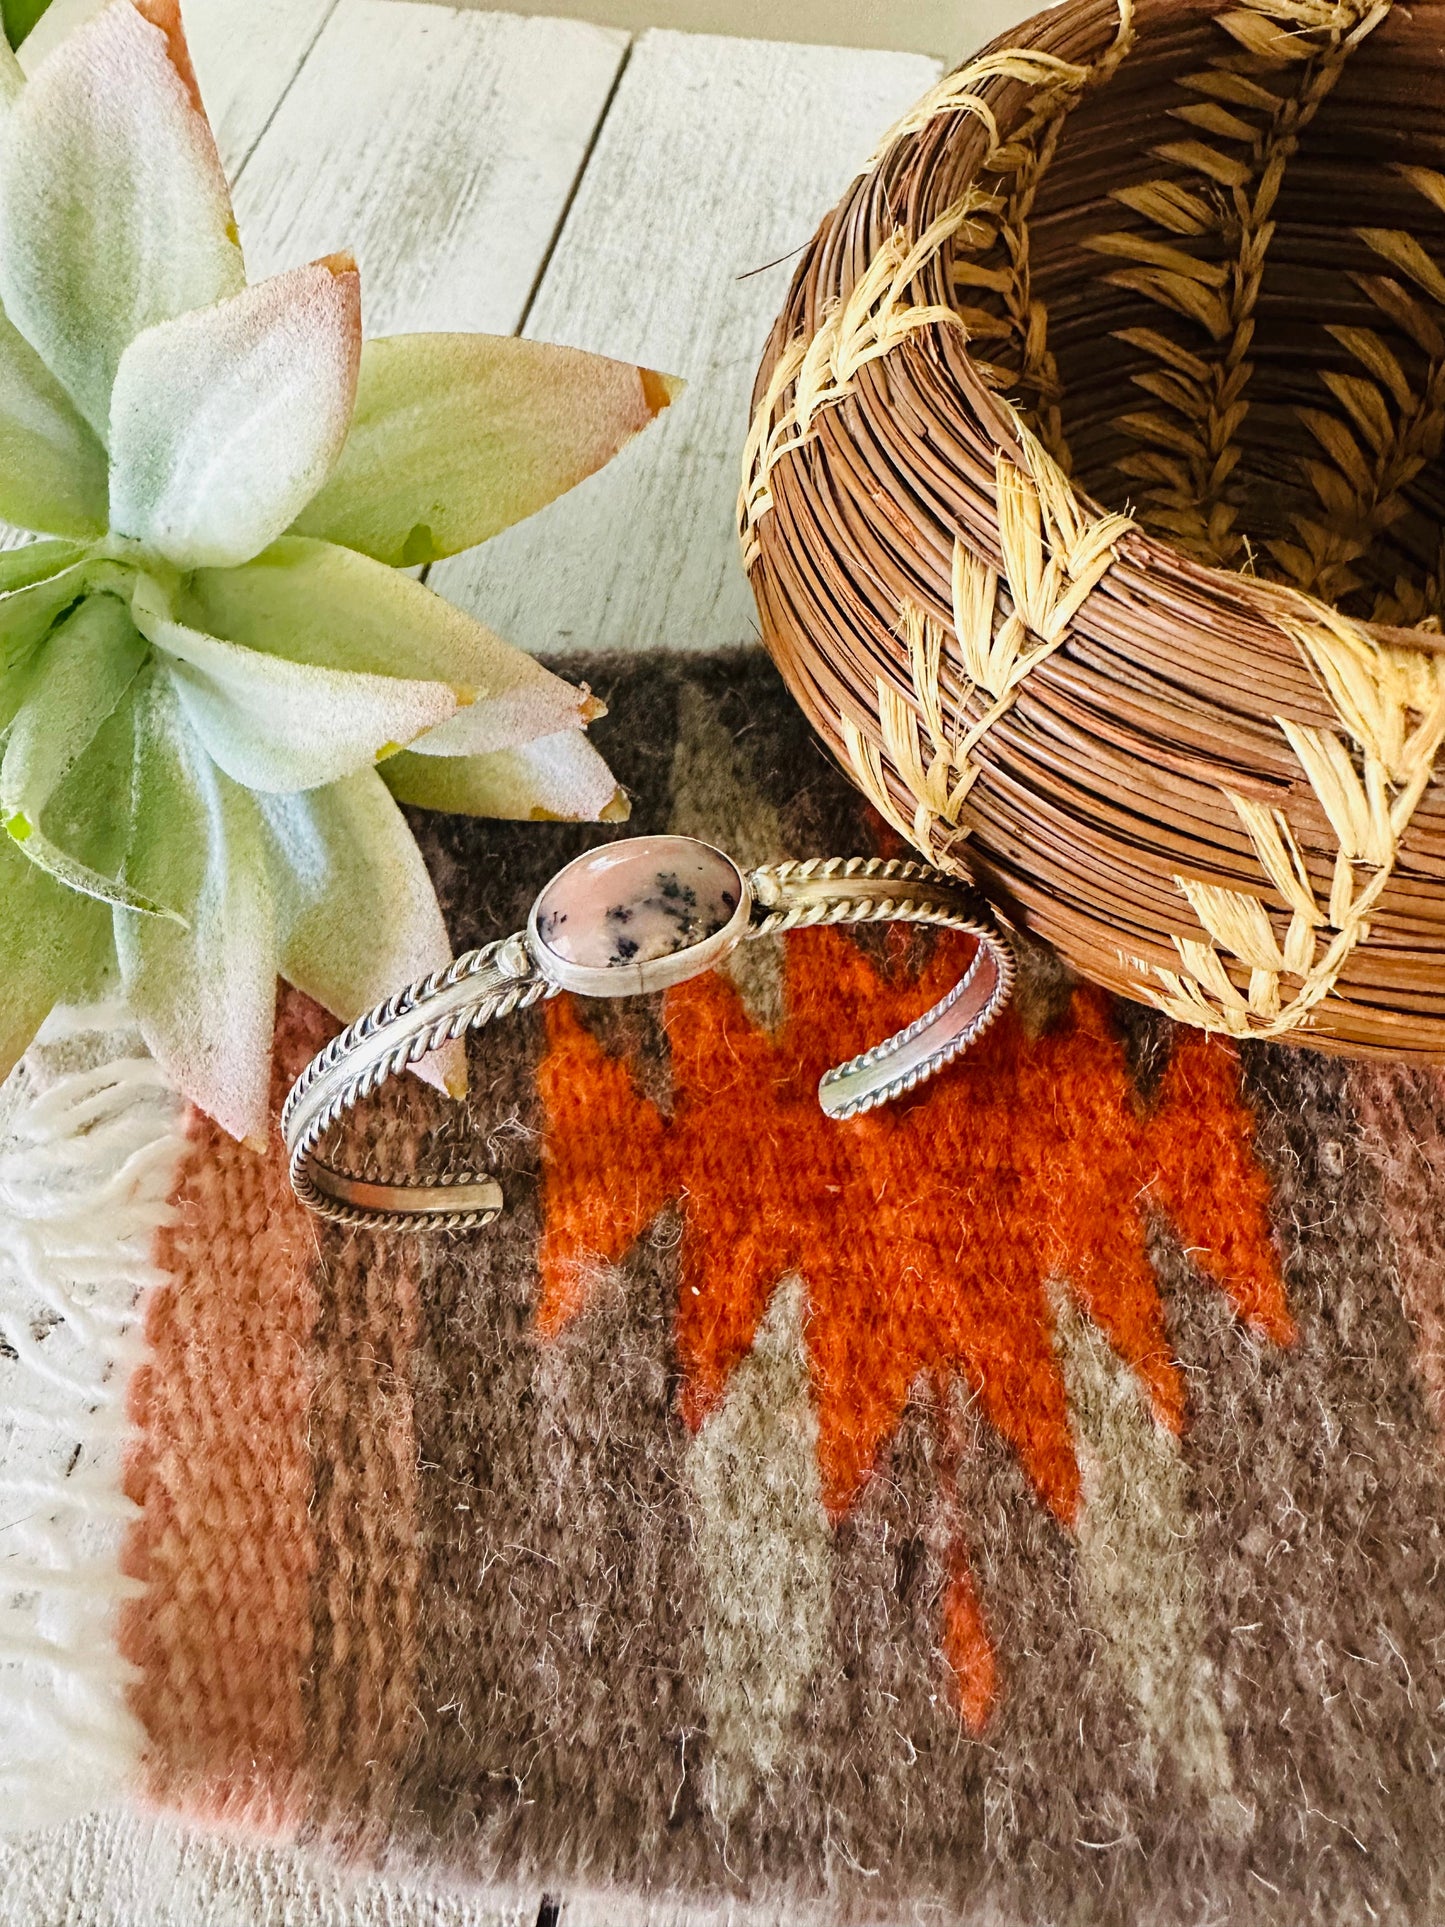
1022	1504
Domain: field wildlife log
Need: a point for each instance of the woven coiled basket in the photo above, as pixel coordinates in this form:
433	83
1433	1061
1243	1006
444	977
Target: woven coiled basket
1093	501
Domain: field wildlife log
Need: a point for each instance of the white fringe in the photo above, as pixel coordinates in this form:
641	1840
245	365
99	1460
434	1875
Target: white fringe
90	1139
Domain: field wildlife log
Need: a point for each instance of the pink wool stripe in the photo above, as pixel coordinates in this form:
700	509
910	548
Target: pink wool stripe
223	1477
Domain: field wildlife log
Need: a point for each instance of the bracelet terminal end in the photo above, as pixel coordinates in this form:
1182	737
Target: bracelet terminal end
513	958
766	888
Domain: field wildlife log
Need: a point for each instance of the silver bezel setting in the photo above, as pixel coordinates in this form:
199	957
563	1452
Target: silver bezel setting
658	973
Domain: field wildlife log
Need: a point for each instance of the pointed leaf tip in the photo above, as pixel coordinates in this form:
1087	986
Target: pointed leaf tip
457	436
659	391
166	15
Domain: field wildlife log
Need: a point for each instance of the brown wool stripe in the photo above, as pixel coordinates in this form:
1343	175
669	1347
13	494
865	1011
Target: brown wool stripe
364	1602
1403	1114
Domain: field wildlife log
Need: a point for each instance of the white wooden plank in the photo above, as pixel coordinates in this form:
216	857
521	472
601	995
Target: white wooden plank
716	157
439	146
245	53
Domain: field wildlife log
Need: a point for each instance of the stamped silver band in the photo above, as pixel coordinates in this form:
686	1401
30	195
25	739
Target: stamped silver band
696	908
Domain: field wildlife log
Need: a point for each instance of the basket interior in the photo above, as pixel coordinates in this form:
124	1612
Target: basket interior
1241	259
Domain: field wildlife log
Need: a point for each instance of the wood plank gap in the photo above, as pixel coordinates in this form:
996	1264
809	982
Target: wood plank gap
439	145
424	573
664	262
280	100
588	152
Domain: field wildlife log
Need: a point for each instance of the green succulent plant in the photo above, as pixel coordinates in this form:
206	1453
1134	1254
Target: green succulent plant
215	685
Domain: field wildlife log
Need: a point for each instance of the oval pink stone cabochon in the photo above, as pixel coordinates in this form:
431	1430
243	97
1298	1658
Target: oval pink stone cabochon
636	901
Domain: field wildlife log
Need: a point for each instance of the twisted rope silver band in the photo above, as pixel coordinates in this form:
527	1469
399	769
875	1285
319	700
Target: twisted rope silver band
506	976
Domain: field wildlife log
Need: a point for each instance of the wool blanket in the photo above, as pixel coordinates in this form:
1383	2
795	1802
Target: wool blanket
1022	1504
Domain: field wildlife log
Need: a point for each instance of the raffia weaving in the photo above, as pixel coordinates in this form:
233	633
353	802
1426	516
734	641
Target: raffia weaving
1021	1505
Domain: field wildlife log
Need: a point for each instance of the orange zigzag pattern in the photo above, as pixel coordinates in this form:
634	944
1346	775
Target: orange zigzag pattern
928	1232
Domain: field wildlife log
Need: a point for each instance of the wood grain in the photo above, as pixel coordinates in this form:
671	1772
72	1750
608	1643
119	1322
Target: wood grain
246	54
716	157
440	147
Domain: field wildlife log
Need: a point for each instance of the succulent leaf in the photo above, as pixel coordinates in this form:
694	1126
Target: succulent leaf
457	436
338	610
203	994
88	813
83	673
32	562
52	468
12	75
87	820
114	212
274	723
85	669
224	422
356	910
28	612
32	577
555	779
55	946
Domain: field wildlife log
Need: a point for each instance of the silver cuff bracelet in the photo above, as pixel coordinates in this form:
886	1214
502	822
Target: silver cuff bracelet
633	916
